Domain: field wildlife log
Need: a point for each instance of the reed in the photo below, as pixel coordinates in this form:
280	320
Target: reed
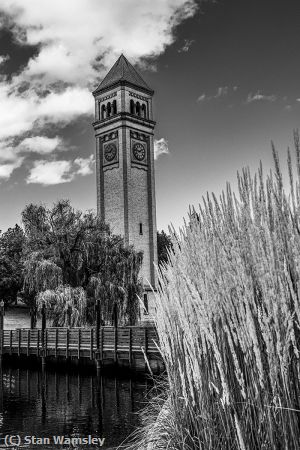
228	318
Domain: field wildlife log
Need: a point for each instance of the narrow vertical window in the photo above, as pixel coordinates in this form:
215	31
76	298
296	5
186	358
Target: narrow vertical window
131	106
114	107
146	305
138	108
103	112
141	228
108	109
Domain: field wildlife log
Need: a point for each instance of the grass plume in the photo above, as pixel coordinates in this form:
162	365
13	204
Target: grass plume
228	318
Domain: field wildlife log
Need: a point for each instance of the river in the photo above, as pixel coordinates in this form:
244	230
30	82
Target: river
49	404
40	408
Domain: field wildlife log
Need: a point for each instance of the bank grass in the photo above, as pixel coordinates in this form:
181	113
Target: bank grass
228	319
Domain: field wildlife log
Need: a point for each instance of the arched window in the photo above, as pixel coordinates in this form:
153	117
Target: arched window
144	110
138	108
108	109
114	107
131	106
103	112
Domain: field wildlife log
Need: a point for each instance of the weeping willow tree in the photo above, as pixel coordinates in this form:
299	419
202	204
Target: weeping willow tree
66	250
41	274
118	287
64	306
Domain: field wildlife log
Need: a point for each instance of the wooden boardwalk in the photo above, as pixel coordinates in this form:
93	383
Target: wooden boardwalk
135	347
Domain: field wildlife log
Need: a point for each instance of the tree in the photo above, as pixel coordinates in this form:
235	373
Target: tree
164	244
66	249
65	306
11	264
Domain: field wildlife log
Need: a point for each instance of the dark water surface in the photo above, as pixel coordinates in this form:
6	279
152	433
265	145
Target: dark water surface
33	403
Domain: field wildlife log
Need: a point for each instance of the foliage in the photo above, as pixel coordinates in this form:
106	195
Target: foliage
11	268
62	235
116	278
164	245
228	318
41	274
64	306
65	247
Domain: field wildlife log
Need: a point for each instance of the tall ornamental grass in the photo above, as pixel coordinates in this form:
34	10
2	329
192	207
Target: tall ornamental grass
228	318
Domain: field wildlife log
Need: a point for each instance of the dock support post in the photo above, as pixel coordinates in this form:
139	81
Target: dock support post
98	365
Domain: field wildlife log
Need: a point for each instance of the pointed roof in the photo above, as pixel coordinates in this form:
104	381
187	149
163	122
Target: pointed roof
122	70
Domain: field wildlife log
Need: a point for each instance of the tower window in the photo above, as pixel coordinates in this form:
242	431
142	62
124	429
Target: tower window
146	305
131	106
103	112
144	111
141	228
114	107
108	109
138	108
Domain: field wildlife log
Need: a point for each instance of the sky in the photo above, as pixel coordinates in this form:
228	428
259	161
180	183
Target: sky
226	76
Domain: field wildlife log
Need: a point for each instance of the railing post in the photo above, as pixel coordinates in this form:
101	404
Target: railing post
33	317
56	341
19	341
1	328
115	322
43	336
67	343
28	342
98	324
98	327
130	347
79	344
116	345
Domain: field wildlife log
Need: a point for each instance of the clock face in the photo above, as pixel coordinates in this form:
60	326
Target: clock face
110	152
139	151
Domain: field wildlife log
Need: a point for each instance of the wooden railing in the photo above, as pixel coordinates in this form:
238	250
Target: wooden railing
113	343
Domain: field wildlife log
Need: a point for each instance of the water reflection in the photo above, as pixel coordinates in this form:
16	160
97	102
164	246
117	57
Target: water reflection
52	403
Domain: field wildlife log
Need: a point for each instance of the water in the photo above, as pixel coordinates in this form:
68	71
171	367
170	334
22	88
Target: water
18	318
33	403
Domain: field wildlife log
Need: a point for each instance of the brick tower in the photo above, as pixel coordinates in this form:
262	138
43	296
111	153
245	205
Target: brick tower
124	129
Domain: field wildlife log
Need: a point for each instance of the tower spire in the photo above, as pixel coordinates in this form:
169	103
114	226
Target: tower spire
122	72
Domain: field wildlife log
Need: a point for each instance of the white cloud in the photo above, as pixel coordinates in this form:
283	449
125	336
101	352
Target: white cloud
6	169
3	58
260	97
71	39
221	92
186	46
49	173
19	113
201	98
85	165
160	147
41	144
77	44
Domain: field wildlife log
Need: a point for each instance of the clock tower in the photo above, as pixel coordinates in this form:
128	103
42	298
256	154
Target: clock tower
124	130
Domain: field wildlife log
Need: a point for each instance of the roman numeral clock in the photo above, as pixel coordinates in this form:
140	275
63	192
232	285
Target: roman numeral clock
124	130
